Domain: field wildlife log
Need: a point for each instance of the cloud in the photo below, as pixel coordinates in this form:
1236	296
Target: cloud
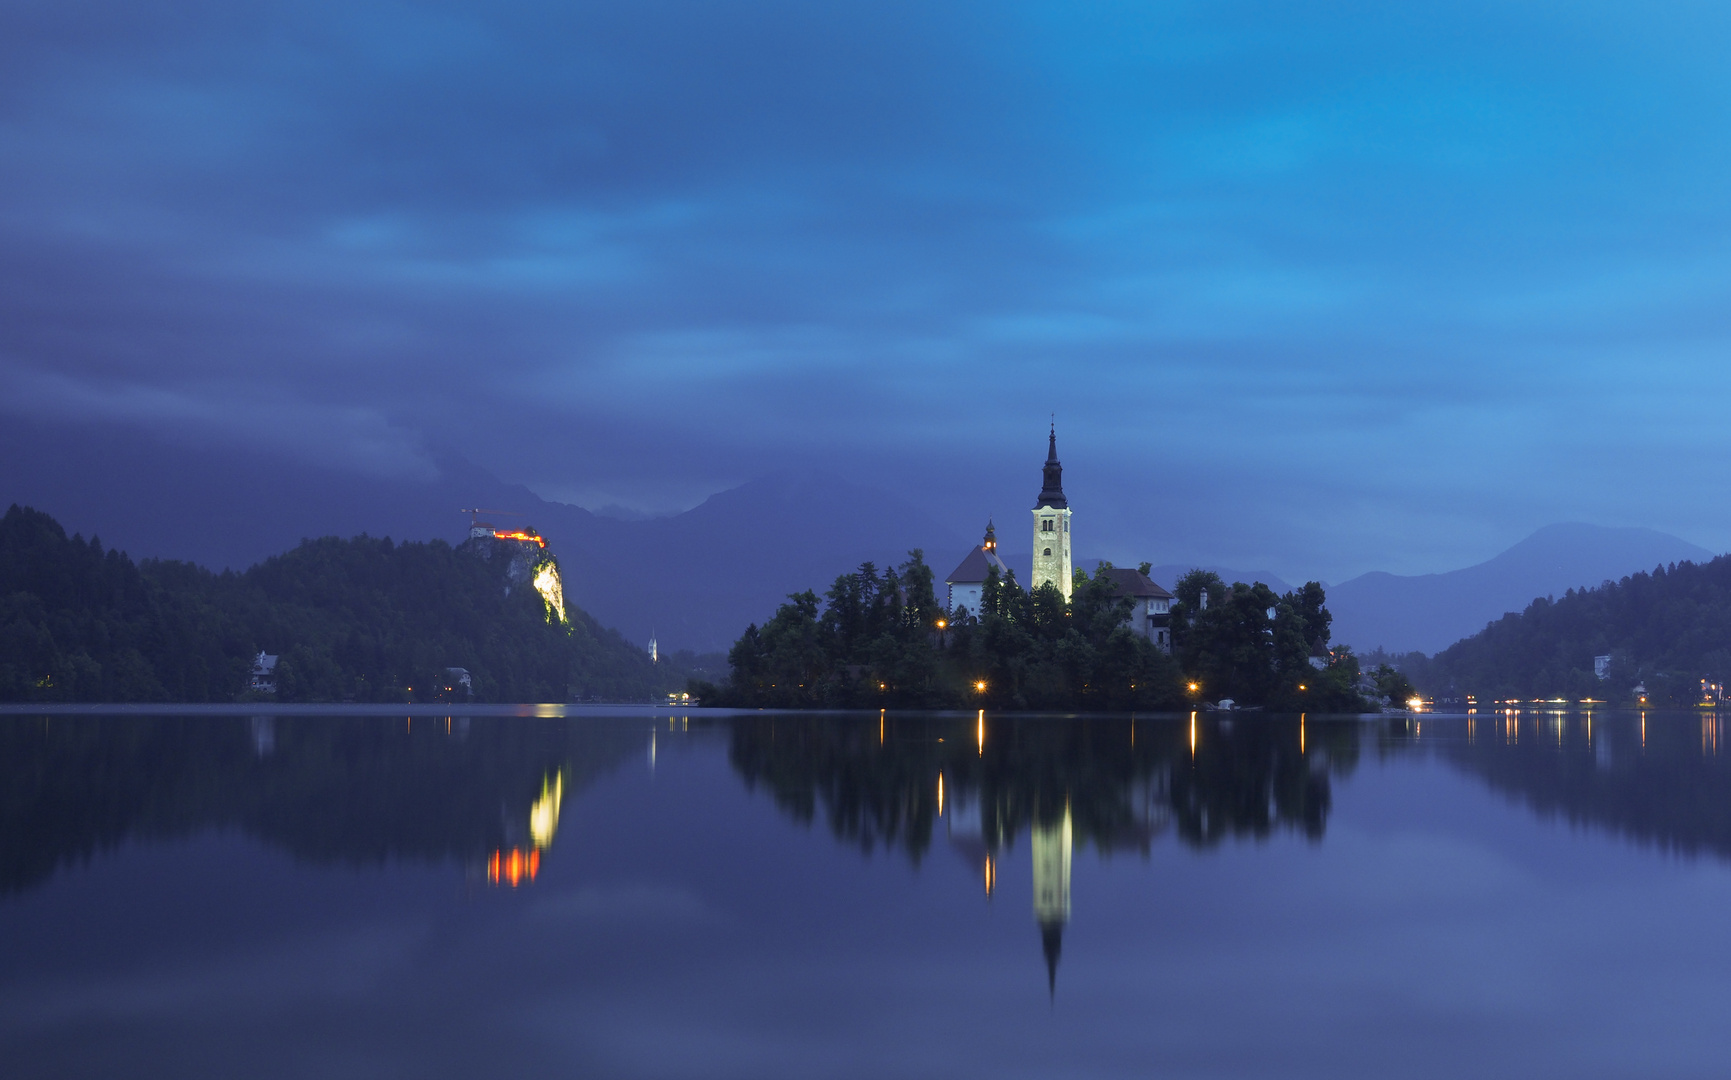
878	236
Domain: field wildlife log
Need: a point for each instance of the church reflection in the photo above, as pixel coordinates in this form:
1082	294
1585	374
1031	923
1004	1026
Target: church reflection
982	785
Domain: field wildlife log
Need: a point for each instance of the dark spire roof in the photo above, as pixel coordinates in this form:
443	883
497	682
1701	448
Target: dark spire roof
1051	941
991	541
1052	493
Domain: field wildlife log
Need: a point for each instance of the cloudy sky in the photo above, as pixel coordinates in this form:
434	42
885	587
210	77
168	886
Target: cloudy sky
1320	288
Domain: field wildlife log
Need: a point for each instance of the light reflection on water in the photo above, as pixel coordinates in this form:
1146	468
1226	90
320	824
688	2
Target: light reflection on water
767	894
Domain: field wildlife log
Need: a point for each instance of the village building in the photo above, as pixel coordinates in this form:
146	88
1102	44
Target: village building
263	675
1152	614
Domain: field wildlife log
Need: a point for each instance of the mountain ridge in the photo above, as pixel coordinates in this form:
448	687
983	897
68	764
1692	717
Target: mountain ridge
1429	612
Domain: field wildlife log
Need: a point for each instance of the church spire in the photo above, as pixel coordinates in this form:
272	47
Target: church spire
1052	491
991	541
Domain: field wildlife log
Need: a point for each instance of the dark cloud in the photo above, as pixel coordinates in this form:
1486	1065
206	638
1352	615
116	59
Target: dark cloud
1322	288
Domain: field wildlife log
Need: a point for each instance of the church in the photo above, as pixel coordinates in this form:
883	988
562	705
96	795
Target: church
1151	615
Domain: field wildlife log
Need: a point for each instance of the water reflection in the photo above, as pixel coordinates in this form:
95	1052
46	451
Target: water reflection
487	796
1110	783
1656	779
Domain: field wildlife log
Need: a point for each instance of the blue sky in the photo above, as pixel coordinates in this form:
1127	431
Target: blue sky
1312	288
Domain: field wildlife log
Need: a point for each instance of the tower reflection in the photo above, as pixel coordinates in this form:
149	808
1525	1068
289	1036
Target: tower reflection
1107	782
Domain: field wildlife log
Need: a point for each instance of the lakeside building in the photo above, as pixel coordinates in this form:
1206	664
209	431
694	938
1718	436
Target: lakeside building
263	676
1152	614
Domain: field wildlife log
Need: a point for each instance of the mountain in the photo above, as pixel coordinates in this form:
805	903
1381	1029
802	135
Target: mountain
1429	612
1666	632
693	579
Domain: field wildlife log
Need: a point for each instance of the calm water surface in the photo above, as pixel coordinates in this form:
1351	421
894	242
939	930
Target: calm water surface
856	896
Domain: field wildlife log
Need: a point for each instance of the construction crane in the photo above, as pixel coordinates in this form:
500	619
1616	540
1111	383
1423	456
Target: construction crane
475	514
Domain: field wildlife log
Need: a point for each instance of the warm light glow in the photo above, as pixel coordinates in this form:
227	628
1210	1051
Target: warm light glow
940	794
991	874
544	814
1301	686
552	591
980	687
1192	734
942	624
1415	704
980	734
519	534
512	867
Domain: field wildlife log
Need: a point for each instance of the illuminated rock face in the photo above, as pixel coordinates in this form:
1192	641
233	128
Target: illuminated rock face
552	590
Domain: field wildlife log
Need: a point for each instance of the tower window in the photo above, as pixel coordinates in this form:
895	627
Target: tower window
1048	551
1045	524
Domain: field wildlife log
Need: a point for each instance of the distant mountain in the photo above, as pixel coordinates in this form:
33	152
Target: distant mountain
693	579
1429	612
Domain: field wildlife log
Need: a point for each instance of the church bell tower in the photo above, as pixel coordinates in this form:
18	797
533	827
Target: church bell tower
1052	526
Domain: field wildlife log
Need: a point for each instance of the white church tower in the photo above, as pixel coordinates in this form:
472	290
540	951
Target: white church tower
1052	527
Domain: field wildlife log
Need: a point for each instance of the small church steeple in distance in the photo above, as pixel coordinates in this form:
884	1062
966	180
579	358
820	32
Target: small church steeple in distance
991	541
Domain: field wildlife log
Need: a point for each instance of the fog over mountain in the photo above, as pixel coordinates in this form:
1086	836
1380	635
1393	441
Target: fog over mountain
1429	612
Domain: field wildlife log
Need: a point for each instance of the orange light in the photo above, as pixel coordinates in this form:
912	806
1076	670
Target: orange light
518	534
512	867
980	686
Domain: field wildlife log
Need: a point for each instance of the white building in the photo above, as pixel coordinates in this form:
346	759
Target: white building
263	673
1052	526
968	581
1152	614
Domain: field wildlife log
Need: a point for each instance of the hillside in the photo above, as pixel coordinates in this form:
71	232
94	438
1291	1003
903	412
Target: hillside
694	579
361	619
1667	629
1432	611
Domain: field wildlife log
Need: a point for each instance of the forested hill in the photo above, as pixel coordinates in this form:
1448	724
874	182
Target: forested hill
358	620
1666	630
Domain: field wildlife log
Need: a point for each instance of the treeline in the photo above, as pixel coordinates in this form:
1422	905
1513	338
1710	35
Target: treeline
362	620
1665	631
882	640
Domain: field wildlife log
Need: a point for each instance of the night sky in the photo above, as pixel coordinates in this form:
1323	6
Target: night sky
1319	287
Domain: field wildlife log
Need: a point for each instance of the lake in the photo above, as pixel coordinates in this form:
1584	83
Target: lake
789	895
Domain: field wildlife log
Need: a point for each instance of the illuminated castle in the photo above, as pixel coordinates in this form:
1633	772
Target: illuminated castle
1052	526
